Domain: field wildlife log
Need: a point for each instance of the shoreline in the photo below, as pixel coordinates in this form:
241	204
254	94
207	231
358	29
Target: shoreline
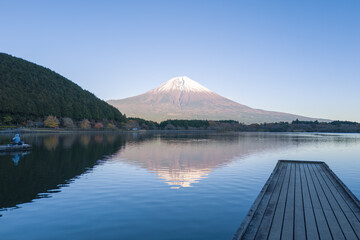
68	131
23	131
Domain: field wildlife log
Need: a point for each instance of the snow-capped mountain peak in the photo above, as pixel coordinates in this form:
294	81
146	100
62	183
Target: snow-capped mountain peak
183	98
183	84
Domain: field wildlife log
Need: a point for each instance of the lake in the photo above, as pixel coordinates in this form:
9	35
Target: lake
152	186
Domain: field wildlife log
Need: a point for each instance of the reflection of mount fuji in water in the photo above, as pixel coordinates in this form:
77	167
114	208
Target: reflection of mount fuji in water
181	161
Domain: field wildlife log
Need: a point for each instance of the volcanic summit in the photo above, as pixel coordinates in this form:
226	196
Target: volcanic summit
183	98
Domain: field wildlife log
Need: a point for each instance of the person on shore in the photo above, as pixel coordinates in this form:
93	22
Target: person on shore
16	140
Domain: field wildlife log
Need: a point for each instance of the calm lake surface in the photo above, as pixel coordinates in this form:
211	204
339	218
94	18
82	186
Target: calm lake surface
151	186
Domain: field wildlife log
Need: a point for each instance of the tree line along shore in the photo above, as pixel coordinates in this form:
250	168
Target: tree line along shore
65	123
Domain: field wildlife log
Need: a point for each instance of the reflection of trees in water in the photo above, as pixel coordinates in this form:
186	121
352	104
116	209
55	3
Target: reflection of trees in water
85	139
98	138
110	139
51	142
51	164
69	140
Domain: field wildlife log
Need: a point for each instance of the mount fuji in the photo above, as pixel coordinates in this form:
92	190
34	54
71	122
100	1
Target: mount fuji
183	98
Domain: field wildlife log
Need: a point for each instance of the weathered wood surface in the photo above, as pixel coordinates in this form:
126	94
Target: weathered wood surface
302	200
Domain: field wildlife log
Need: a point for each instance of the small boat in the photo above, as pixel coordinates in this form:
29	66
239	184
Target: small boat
12	148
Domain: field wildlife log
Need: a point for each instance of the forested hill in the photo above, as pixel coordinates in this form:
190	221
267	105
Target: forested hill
28	91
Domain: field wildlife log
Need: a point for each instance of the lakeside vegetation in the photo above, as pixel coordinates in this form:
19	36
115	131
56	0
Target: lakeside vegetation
230	125
131	124
29	92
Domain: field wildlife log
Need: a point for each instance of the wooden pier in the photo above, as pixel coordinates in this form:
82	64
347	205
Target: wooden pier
302	200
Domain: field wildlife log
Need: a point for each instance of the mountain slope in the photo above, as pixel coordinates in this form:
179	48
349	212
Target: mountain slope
183	98
29	91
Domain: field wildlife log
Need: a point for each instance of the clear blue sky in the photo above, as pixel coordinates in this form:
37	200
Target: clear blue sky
300	57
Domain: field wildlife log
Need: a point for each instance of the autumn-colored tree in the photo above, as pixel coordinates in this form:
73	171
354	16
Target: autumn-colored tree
85	124
110	126
99	125
51	121
68	122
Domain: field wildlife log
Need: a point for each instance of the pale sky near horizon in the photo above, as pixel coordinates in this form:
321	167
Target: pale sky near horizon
300	57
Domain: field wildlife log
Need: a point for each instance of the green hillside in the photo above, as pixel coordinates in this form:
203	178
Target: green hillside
30	91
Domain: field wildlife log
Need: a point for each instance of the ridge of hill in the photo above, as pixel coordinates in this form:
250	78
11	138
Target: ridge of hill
30	91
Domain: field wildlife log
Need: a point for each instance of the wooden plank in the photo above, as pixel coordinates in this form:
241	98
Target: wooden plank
265	225
335	228
344	192
310	222
288	224
302	200
322	224
258	216
276	226
354	202
351	225
251	219
344	224
299	218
